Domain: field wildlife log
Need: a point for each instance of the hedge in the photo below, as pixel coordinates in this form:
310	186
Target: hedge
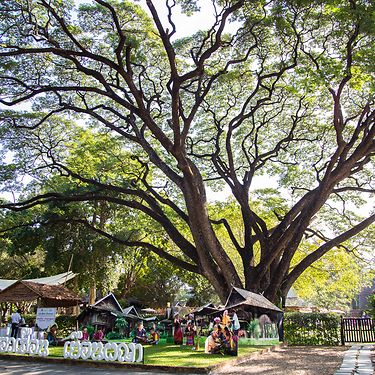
312	329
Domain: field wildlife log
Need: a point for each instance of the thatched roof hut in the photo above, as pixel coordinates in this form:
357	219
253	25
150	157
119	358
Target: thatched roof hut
48	295
250	305
104	312
239	297
58	279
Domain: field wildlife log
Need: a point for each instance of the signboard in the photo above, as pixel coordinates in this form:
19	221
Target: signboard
24	346
45	316
111	351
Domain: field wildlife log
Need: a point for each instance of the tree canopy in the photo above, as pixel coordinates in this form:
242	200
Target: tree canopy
105	105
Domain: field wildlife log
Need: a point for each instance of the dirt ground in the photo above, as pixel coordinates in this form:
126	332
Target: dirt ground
294	360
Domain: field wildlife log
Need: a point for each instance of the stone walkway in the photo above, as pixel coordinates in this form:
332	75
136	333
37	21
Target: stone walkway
290	360
357	361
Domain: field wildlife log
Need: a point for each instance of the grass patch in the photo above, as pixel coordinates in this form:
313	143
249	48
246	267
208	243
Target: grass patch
165	354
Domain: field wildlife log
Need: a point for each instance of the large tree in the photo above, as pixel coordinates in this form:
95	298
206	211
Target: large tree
288	94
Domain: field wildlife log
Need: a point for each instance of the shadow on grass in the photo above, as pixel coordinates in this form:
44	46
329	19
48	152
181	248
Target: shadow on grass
165	354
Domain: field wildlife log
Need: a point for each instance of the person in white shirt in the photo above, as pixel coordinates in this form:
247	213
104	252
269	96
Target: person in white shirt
236	323
16	320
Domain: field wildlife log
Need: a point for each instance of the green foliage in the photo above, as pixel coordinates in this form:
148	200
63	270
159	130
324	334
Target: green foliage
66	324
90	330
254	329
158	284
114	336
121	324
334	280
371	302
312	329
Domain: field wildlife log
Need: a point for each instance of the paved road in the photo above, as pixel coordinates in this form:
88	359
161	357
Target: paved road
11	367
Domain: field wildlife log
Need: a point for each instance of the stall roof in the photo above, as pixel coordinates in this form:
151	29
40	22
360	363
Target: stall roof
51	295
59	279
207	309
109	311
239	297
109	302
130	310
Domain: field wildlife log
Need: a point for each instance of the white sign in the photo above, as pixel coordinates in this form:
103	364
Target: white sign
24	346
45	317
76	349
109	352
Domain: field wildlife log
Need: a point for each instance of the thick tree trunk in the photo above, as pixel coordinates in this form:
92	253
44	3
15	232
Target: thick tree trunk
215	264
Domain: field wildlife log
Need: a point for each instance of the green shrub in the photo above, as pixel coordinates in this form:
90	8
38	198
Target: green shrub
312	329
66	324
371	303
114	336
254	329
29	318
121	325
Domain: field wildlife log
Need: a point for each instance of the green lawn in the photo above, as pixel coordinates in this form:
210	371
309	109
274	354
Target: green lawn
165	354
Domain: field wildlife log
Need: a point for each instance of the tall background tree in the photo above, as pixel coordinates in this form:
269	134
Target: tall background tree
288	96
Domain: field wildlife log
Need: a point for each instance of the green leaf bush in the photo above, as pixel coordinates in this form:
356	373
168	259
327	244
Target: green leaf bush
371	303
114	336
254	329
66	324
312	329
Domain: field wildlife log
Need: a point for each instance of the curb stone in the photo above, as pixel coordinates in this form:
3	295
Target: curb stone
139	366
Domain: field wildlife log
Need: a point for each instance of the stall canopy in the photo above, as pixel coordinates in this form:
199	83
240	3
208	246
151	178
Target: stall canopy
49	295
205	310
256	302
59	279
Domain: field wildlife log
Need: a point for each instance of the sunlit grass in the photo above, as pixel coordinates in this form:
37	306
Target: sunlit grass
165	354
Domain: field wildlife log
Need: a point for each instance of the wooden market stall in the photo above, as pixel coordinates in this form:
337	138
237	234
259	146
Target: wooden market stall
45	295
104	312
249	305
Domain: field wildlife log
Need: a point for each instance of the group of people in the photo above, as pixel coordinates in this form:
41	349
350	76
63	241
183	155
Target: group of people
55	341
190	331
141	336
222	338
98	335
224	335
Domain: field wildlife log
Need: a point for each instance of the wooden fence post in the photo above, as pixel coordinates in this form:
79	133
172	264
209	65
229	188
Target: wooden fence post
342	332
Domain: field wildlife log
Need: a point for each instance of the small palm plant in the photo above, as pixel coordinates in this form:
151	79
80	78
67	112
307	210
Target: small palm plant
254	329
121	325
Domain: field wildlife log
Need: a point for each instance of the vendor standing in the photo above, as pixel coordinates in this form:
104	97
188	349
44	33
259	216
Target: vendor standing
178	335
16	321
